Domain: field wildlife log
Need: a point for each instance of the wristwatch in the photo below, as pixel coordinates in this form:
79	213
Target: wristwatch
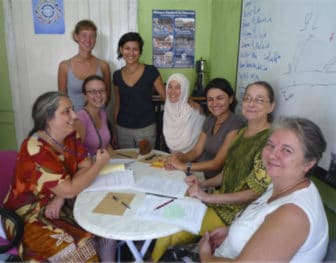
188	172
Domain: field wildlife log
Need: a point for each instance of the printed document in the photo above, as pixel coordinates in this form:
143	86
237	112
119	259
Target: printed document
112	181
187	213
163	185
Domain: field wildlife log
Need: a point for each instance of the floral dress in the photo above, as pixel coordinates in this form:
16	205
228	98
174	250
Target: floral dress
243	170
38	169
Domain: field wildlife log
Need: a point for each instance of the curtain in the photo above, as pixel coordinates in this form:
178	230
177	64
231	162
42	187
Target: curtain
33	59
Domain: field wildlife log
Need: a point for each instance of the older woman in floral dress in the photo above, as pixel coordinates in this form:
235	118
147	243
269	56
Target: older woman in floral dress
53	166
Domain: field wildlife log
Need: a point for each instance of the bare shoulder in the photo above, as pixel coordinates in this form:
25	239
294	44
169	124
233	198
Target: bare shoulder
104	65
274	239
63	65
291	215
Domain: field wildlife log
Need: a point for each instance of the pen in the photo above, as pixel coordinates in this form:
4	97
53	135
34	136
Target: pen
166	196
115	198
164	204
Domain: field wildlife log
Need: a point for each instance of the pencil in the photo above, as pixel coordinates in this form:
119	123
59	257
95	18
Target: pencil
164	204
122	202
166	196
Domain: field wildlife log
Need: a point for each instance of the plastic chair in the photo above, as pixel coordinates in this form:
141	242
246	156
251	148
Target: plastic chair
7	167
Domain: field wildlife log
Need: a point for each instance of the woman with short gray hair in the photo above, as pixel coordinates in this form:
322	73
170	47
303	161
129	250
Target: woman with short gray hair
288	222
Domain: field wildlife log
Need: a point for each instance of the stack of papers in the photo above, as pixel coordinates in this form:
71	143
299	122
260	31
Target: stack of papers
186	213
164	201
115	176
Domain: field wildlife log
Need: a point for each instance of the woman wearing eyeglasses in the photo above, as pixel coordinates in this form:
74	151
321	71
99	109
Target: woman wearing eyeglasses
243	178
92	121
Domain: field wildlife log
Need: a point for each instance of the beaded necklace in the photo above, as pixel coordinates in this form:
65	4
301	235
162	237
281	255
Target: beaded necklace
62	146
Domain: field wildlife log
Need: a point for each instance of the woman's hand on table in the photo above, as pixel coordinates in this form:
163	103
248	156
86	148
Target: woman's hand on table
192	179
53	208
196	191
167	163
176	163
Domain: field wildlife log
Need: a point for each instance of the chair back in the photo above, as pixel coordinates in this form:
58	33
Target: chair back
7	168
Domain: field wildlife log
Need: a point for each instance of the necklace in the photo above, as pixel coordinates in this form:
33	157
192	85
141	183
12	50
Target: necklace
54	140
287	190
130	72
62	146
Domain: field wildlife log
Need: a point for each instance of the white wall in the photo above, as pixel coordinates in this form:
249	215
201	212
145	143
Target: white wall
33	59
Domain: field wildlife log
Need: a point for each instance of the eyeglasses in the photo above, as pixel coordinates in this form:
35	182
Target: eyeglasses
257	100
96	91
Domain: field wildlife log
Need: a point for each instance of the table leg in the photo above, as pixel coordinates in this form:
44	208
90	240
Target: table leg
145	247
138	256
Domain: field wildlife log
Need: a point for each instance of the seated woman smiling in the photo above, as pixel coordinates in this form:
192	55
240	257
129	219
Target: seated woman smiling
243	178
209	153
288	222
53	166
182	124
92	121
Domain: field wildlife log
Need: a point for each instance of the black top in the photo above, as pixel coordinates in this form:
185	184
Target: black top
136	109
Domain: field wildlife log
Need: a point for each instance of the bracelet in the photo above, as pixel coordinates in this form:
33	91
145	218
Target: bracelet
188	172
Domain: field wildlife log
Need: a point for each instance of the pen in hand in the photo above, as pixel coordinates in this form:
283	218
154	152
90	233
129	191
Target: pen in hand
115	198
164	204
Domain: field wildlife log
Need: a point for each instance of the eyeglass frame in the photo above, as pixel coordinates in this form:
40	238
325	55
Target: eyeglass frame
256	100
96	92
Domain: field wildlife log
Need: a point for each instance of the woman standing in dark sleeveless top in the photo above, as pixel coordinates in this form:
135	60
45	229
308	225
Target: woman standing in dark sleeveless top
134	118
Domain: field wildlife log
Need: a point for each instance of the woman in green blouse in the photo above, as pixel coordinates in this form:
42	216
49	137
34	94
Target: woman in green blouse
243	177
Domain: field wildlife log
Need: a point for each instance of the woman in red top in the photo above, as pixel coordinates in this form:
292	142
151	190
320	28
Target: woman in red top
53	166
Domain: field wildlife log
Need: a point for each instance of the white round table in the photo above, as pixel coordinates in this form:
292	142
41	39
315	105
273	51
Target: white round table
126	227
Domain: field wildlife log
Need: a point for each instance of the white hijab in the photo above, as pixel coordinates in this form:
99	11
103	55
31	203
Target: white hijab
182	124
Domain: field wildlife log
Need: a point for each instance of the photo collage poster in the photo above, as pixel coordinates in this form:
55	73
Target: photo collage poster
173	38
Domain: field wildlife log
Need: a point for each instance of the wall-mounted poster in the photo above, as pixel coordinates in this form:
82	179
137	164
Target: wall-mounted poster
48	16
173	38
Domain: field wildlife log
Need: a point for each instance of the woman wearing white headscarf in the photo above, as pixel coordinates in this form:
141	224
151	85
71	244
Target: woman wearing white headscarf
182	124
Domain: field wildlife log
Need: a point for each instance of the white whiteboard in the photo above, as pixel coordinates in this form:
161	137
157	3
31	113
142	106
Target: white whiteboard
292	45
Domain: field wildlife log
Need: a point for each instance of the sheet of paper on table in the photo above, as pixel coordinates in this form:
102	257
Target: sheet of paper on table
163	185
112	181
186	213
153	180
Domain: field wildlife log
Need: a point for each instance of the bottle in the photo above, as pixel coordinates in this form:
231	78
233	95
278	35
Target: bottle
201	78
